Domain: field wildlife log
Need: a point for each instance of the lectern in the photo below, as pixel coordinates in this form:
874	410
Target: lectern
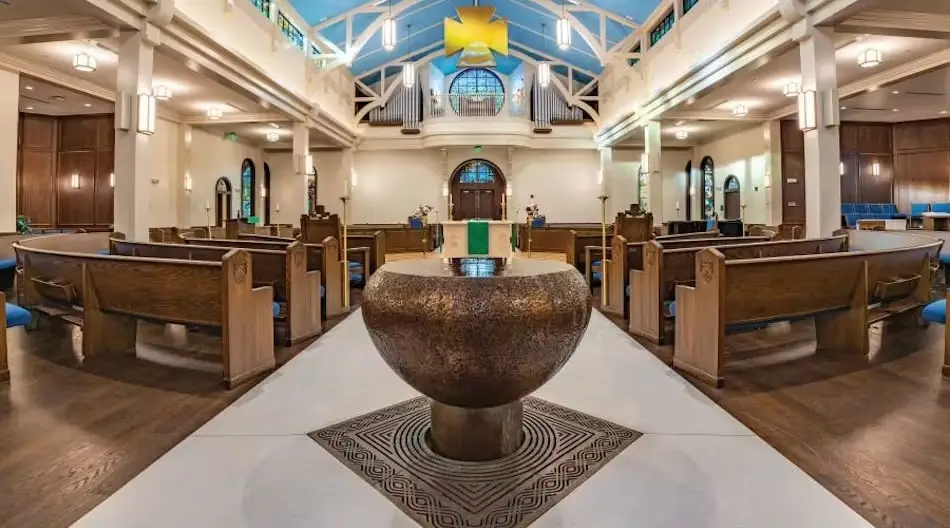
476	238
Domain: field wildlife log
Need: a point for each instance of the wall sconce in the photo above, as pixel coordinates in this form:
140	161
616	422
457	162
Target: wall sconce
841	168
74	180
146	121
445	190
644	163
112	179
187	183
768	181
508	190
875	169
263	191
305	164
808	110
354	179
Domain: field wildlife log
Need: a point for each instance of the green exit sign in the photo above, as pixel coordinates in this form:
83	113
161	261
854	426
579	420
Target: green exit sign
231	136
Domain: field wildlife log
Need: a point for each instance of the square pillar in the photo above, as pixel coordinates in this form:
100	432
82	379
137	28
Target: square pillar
772	134
822	145
9	126
133	176
653	150
303	165
347	188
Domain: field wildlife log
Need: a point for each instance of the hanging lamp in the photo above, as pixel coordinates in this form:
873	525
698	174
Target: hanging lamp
409	68
389	30
563	29
544	68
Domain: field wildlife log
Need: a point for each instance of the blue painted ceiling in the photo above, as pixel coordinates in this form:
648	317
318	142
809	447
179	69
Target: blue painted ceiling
525	21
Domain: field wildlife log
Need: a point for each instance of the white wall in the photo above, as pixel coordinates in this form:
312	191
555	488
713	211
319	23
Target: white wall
672	173
212	157
9	125
744	155
163	163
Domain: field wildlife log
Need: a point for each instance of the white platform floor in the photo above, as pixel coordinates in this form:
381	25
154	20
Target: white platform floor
253	465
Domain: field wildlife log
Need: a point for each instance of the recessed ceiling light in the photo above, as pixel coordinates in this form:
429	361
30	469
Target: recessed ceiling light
844	107
896	110
31	108
943	112
28	87
88	105
896	92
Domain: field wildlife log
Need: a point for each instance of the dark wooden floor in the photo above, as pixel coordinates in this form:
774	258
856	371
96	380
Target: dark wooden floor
875	433
71	435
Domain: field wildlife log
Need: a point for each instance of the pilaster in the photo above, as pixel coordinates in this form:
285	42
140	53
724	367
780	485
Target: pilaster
9	126
303	165
654	173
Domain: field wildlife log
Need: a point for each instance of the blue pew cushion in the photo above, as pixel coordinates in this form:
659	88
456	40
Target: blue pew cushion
669	308
936	312
276	309
595	277
7	264
17	316
102	252
628	290
323	291
945	259
596	263
354	264
356	277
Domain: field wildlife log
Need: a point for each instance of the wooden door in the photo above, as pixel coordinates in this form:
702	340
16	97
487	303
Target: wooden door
486	205
468	205
733	206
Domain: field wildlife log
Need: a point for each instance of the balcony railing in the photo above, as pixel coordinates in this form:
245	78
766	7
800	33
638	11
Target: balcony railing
474	105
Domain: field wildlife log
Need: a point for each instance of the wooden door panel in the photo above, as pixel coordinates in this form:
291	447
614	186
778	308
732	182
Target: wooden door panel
76	207
104	190
37	189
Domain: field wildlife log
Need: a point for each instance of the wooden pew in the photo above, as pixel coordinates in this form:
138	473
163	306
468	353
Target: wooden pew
296	290
324	258
553	239
577	243
654	285
375	243
843	292
626	256
634	228
115	291
398	238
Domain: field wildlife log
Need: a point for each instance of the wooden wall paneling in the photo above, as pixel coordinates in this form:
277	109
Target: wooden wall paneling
921	177
793	187
793	140
104	202
79	133
875	189
36	169
922	135
849	180
872	138
76	207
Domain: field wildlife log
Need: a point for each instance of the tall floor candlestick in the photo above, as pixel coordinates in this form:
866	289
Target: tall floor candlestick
604	263
345	262
530	221
208	217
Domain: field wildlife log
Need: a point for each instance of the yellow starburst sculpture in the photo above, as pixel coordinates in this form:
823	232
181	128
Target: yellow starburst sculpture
476	36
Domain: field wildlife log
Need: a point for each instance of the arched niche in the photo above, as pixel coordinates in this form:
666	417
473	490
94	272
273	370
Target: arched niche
222	201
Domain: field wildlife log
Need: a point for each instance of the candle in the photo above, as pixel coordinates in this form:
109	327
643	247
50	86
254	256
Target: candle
207	204
677	205
278	207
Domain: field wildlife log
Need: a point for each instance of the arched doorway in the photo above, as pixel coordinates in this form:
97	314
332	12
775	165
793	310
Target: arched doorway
222	201
265	193
689	190
477	187
708	170
732	198
248	189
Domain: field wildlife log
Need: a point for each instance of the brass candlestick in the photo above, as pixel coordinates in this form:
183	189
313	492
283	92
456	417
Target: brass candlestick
345	260
530	221
208	217
603	249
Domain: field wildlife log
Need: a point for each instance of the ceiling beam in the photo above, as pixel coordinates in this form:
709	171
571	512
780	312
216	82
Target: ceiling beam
53	29
714	115
882	78
898	24
235	119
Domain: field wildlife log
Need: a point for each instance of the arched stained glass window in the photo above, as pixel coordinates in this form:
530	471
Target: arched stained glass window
477	171
708	168
248	184
477	92
689	4
312	191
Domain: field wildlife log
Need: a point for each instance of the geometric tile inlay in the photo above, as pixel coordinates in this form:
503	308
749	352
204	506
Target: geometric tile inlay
388	448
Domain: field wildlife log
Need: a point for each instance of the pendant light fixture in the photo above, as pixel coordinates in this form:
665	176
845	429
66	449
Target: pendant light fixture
870	58
563	29
84	62
409	69
389	30
273	137
682	134
791	89
740	110
162	93
544	68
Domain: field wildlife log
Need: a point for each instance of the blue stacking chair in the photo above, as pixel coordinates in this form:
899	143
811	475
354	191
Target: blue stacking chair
876	209
847	208
940	207
917	210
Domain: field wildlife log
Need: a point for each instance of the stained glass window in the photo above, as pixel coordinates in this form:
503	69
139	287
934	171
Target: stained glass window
477	92
732	183
689	4
642	189
477	171
662	28
264	6
290	30
312	192
709	187
248	179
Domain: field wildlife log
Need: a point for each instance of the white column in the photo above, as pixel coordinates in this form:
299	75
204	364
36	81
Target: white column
772	134
183	217
446	176
9	125
132	168
653	149
302	166
347	169
822	145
